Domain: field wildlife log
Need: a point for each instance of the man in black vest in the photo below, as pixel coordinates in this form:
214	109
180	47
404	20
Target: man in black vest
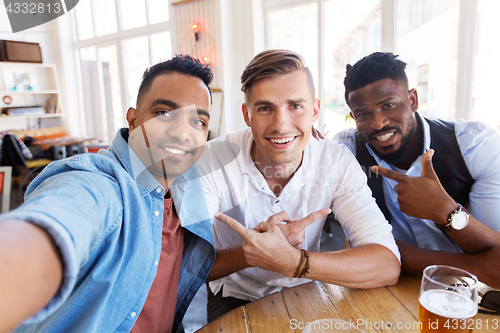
440	188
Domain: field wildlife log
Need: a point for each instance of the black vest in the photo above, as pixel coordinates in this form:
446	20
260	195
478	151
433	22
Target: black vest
448	163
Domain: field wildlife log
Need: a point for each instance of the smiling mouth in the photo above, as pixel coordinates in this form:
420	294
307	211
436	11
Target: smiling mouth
384	137
174	151
282	141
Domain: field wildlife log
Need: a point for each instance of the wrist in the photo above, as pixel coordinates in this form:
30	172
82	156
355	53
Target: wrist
458	220
297	261
302	269
445	213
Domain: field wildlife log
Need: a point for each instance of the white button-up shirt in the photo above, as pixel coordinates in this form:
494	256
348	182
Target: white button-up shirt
329	176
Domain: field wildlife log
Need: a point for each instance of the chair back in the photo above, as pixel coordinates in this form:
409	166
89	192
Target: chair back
12	155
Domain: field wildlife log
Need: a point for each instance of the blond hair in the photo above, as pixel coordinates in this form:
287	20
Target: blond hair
271	64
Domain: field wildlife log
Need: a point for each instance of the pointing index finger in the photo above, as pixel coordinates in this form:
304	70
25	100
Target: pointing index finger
388	173
311	218
233	224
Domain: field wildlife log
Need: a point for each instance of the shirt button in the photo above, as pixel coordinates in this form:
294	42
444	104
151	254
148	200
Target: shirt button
158	190
156	263
157	213
133	314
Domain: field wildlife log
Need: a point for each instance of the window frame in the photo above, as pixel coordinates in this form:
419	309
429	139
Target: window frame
117	39
466	37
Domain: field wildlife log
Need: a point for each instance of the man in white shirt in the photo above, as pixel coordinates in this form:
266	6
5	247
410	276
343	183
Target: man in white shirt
279	171
441	184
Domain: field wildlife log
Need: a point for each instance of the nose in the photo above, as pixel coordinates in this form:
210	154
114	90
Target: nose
180	129
281	121
379	120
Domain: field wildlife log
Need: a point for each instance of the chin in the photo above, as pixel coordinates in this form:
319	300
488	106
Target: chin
284	158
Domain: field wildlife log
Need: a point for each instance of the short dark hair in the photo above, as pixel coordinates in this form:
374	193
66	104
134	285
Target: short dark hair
183	64
273	63
377	66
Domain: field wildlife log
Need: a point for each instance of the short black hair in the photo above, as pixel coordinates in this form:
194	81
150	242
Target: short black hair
183	64
374	67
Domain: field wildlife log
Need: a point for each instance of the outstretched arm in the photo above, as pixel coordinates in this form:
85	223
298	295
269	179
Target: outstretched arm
424	197
484	265
31	271
366	266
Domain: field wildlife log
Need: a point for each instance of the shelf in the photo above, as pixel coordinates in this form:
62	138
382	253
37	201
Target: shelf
32	116
27	92
26	64
45	93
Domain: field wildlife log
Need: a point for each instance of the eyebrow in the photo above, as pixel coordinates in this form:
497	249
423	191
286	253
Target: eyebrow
362	107
172	104
289	101
262	102
386	100
203	113
166	102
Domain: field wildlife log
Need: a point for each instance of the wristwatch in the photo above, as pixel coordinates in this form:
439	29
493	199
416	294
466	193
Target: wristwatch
458	219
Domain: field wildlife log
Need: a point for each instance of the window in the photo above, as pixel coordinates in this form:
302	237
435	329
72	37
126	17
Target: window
351	29
115	41
302	38
432	37
486	66
431	57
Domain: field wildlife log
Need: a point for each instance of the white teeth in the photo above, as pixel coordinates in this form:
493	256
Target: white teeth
281	140
385	137
174	151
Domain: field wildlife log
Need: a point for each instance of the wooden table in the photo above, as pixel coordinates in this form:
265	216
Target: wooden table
389	309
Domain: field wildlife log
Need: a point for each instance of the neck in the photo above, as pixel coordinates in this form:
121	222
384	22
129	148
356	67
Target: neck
277	175
165	183
414	148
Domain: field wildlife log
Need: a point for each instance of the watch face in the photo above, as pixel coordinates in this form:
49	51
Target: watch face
460	221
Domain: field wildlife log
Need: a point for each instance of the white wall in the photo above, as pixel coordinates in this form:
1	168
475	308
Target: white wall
55	42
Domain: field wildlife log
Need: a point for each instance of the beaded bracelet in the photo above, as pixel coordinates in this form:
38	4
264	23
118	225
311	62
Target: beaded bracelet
298	270
305	272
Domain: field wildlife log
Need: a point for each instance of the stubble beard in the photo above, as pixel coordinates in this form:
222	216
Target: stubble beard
394	157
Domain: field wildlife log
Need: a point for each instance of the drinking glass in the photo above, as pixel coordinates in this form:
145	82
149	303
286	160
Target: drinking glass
448	300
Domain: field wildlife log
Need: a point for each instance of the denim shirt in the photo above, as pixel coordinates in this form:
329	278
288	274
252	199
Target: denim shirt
105	214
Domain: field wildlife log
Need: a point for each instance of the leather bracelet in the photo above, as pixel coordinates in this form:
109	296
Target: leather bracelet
305	272
297	271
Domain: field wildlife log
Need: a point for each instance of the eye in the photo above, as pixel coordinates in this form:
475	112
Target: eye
389	105
360	115
164	113
199	122
297	106
263	109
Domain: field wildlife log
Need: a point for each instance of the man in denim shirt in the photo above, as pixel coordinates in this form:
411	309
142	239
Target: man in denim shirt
82	254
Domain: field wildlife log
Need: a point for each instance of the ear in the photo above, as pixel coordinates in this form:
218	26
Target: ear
132	115
316	108
246	116
413	97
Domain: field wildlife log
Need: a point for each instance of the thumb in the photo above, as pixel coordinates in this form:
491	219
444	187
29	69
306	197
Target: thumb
427	168
265	227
